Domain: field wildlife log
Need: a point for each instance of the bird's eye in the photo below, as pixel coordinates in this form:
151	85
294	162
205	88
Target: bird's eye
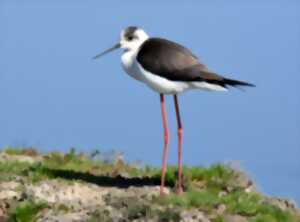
131	37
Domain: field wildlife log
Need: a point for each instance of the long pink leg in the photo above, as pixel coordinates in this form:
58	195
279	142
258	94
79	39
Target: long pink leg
180	132
166	143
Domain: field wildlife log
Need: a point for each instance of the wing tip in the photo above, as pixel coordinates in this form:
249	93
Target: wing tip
235	83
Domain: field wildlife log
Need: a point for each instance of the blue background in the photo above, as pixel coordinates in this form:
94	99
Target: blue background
53	96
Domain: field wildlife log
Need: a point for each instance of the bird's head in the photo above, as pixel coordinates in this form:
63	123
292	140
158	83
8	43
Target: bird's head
131	38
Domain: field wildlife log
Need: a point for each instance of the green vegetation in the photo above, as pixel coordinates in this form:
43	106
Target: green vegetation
169	215
205	200
55	162
81	163
14	167
219	218
241	203
100	215
30	151
216	176
206	188
27	211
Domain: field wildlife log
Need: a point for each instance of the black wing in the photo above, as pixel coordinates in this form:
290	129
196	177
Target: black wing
175	62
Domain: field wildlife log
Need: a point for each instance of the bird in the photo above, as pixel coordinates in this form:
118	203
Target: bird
168	68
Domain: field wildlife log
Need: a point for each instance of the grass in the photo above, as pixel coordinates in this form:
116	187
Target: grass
100	215
27	211
32	172
205	200
169	215
219	218
250	205
203	186
29	151
70	161
274	214
14	167
81	163
216	175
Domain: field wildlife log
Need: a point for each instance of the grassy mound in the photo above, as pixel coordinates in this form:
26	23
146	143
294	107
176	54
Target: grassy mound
218	192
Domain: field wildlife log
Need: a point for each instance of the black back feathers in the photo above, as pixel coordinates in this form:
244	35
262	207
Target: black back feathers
176	63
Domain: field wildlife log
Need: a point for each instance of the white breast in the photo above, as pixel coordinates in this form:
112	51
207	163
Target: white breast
129	65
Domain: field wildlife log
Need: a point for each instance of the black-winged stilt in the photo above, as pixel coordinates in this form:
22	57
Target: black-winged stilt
167	68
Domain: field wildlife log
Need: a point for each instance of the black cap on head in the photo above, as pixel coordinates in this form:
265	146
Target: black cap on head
129	31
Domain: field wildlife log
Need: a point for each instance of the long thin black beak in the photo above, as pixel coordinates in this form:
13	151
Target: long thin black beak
118	45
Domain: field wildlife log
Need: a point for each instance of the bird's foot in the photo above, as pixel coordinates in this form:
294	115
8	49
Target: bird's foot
179	190
163	191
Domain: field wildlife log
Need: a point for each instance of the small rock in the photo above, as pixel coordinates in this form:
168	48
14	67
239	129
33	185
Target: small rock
221	208
250	189
75	195
51	216
12	185
283	204
9	194
3	218
193	215
222	194
199	184
235	218
20	158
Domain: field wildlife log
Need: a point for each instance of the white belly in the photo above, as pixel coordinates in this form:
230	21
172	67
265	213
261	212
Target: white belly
160	84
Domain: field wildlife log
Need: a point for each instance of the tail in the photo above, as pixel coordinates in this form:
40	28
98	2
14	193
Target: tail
235	83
